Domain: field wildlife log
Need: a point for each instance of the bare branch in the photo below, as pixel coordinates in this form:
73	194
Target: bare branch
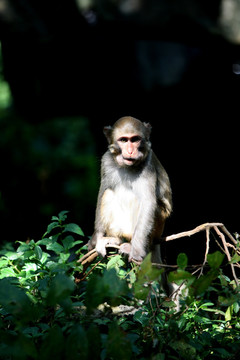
227	253
191	232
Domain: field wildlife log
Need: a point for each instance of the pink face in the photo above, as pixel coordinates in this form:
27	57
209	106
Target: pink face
130	153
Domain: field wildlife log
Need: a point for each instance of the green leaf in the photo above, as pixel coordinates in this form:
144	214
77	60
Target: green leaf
106	288
55	218
60	289
53	344
142	317
57	248
52	226
38	252
64	257
67	242
63	215
215	260
44	257
34	331
236	307
178	276
76	349
228	313
74	228
118	346
3	262
201	284
141	291
184	349
182	261
235	259
146	273
15	301
230	300
115	262
44	241
13	255
7	272
30	267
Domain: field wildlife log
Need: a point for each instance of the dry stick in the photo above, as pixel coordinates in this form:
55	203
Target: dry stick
228	234
207	249
191	232
90	270
86	255
226	252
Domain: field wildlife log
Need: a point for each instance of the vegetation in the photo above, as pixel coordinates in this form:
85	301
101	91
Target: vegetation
54	307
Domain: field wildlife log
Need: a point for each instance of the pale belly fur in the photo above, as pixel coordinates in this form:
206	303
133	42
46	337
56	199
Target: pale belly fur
120	211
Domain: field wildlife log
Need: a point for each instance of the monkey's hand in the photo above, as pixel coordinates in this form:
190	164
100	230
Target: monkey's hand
101	244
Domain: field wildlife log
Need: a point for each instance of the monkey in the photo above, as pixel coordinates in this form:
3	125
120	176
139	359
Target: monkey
135	196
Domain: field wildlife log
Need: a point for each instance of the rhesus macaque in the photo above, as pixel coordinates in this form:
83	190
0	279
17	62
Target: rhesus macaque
135	195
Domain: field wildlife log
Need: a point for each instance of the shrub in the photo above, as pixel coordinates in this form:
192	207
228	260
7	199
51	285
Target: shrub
53	307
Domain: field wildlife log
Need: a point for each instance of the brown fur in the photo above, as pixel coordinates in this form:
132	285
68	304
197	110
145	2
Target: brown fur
135	195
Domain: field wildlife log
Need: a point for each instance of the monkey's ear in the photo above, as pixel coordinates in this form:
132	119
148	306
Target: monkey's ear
148	129
107	130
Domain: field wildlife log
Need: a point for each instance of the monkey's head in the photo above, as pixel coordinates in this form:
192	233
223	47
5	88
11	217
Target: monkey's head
128	141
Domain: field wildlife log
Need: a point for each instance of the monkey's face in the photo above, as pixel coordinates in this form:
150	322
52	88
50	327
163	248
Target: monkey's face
130	150
128	141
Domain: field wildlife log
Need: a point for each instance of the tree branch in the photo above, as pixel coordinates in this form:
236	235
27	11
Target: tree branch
91	255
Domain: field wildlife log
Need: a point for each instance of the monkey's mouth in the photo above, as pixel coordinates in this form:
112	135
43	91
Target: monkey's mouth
129	161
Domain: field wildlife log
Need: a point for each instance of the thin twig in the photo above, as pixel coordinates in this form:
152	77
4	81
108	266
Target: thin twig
228	234
227	252
191	232
89	253
207	249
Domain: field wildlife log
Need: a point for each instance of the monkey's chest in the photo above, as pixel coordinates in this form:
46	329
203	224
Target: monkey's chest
119	212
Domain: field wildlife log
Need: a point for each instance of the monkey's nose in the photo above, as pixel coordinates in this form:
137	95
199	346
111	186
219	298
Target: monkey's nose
130	149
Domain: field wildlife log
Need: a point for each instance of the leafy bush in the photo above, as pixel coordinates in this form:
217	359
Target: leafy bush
53	307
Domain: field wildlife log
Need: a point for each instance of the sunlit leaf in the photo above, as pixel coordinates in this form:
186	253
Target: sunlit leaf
7	272
57	248
38	252
74	228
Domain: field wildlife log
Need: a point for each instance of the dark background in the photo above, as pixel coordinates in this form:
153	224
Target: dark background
72	69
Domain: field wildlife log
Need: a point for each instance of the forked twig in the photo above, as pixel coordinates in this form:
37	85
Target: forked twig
227	253
191	232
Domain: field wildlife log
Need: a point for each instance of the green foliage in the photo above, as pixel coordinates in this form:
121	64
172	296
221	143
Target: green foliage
52	307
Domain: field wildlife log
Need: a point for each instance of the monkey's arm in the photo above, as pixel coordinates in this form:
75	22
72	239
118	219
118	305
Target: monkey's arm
163	189
145	218
99	239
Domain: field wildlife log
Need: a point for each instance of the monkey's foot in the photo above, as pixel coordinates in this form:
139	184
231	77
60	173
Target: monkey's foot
136	255
112	241
106	241
125	249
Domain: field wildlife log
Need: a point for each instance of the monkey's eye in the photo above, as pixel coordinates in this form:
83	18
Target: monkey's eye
123	139
135	139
